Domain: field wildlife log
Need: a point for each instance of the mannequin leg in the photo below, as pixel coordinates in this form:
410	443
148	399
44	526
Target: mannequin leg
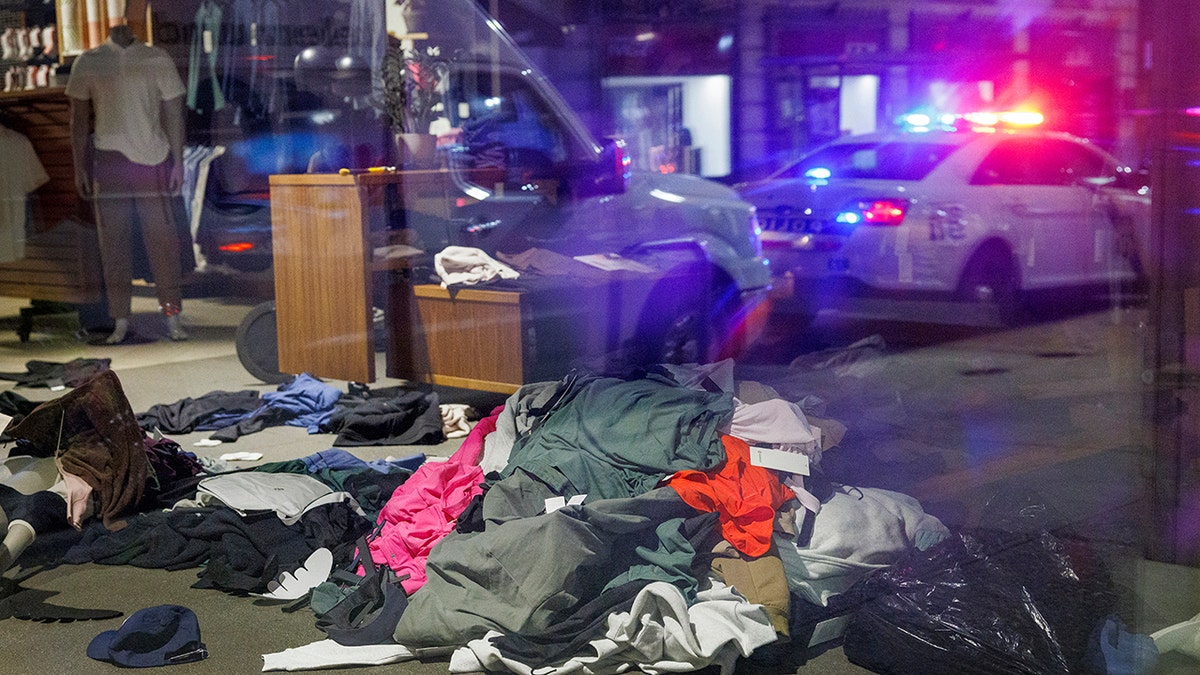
175	328
162	250
114	213
120	329
19	536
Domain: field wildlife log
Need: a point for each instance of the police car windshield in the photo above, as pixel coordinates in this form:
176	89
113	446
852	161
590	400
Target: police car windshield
887	161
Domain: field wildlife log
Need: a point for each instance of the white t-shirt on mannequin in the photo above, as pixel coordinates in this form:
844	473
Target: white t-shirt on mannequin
126	86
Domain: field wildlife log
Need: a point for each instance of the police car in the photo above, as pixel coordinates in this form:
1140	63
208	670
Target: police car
977	213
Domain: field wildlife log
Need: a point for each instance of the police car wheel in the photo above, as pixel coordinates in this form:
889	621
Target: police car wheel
990	279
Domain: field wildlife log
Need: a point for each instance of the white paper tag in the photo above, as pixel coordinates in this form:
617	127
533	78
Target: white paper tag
208	42
779	460
555	503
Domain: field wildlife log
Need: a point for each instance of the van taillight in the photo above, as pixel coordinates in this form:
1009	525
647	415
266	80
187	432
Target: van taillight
236	247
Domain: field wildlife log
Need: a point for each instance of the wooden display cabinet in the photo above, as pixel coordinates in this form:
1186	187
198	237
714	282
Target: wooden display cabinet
492	340
324	229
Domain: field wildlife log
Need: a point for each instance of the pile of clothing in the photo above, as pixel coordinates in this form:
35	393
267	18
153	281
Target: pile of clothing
594	522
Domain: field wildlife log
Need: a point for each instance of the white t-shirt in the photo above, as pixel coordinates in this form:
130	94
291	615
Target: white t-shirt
126	86
20	173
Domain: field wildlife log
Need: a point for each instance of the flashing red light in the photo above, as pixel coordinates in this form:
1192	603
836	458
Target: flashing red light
236	247
886	212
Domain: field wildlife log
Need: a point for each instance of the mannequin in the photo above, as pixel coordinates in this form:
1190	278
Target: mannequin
127	143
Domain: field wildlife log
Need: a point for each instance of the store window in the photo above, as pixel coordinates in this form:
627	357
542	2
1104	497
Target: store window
961	463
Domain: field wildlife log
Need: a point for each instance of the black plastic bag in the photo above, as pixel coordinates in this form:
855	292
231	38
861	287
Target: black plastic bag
986	601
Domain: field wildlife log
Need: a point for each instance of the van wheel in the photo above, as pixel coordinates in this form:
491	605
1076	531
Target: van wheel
682	323
990	279
684	337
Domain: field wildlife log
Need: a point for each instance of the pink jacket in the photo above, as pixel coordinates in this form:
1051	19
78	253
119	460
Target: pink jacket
426	507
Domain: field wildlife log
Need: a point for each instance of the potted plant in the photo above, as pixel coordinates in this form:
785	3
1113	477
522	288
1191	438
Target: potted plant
413	83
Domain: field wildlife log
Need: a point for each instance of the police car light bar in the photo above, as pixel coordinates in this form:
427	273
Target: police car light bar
977	121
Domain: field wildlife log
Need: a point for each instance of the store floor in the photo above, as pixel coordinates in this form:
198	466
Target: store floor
1086	472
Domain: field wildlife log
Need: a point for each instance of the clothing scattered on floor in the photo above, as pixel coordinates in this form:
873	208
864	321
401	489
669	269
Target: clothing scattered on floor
426	508
155	636
409	418
212	411
591	524
93	435
389	416
15	406
52	374
302	402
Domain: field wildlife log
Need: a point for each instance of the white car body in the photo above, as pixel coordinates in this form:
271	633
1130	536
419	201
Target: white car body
1058	207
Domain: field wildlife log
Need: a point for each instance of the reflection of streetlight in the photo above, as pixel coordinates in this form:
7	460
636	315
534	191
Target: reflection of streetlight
645	37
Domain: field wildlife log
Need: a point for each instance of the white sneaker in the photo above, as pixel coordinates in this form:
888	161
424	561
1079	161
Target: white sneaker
175	328
120	329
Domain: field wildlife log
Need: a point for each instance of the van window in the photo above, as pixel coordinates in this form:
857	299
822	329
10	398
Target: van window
505	133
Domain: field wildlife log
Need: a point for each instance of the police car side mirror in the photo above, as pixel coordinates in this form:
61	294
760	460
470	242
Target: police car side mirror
1133	179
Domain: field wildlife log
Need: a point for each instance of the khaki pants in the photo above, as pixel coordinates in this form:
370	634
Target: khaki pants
124	191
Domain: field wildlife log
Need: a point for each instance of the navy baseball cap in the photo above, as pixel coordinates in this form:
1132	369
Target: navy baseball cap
154	636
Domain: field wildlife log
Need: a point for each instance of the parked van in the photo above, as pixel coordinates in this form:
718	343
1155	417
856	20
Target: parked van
525	173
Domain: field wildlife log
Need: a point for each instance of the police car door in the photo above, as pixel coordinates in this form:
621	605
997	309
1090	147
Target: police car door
1039	205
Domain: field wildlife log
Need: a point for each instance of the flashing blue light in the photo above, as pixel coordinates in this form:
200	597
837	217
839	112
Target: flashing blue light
848	217
917	120
818	173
